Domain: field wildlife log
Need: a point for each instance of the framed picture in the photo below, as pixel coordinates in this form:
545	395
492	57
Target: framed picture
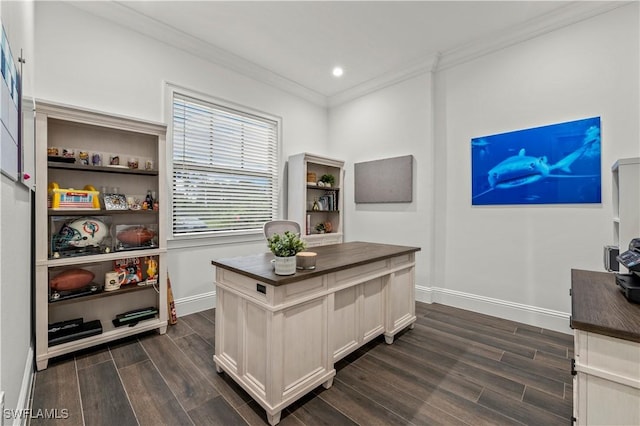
115	202
554	164
10	148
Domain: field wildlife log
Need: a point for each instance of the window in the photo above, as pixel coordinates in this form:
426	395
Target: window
225	169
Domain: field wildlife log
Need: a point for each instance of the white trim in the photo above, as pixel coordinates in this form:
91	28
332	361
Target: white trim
25	390
607	375
228	237
424	294
527	314
198	303
123	15
565	16
408	71
184	242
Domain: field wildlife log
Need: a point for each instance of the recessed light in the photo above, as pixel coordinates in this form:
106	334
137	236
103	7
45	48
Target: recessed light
337	72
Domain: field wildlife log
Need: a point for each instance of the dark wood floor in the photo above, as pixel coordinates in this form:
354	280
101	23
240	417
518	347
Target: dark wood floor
454	367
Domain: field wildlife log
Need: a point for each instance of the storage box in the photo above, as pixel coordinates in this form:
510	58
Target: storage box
73	199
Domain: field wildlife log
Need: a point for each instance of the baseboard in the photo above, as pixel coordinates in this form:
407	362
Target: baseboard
532	315
25	390
193	304
424	294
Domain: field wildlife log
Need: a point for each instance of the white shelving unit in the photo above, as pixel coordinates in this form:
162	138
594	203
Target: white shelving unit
626	202
78	129
303	193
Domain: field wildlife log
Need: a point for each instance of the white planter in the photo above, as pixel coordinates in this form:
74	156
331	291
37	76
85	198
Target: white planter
285	265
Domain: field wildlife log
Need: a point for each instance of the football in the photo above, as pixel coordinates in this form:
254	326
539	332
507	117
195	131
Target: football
71	279
135	235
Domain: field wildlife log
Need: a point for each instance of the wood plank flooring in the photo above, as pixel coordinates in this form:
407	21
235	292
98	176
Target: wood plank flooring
454	368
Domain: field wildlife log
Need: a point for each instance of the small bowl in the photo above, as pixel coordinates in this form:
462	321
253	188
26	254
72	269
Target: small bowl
306	260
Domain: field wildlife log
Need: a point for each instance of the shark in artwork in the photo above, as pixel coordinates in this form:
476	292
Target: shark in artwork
523	169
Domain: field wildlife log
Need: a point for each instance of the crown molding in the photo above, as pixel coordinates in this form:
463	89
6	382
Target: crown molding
569	14
129	18
124	16
393	77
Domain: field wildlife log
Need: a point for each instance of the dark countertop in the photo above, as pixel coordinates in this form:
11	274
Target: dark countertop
598	306
331	258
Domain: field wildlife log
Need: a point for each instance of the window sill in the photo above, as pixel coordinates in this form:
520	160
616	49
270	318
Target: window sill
186	242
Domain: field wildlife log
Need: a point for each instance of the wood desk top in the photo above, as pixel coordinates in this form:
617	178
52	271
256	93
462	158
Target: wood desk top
598	306
331	258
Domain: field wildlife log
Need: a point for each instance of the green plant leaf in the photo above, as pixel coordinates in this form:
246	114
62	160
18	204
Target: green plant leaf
285	245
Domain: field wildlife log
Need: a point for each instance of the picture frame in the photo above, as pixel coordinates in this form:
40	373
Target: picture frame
10	113
553	164
115	202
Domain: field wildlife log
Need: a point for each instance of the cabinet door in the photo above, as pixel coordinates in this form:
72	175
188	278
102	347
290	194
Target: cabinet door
401	300
372	312
303	344
344	322
609	403
228	326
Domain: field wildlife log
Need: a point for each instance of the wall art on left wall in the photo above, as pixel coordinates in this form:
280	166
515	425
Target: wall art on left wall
9	116
554	164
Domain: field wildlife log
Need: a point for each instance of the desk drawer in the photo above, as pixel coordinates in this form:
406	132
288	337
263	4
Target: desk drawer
298	290
359	272
245	285
610	355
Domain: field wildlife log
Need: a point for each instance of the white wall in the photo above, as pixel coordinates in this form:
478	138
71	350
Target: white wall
510	261
524	254
15	239
90	62
391	122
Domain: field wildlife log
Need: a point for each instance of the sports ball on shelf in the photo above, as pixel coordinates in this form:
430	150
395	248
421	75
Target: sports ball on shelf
71	279
135	235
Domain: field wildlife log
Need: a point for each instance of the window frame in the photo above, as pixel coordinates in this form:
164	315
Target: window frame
220	237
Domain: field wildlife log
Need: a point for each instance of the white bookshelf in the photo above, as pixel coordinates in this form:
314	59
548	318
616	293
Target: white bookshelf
626	202
78	129
303	193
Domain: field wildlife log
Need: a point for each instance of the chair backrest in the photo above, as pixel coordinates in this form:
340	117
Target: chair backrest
280	226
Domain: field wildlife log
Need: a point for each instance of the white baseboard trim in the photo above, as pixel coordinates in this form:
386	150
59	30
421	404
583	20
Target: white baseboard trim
25	390
193	304
424	294
527	314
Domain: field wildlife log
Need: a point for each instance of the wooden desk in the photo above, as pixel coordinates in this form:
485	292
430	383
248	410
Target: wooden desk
279	336
606	387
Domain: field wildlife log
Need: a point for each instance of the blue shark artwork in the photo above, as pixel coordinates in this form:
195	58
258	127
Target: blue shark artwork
553	164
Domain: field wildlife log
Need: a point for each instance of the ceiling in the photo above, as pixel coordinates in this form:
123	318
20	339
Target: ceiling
295	44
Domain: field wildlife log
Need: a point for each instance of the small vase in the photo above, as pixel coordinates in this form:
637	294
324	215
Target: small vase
285	265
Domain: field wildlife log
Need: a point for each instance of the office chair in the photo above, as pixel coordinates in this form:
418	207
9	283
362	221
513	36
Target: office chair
280	226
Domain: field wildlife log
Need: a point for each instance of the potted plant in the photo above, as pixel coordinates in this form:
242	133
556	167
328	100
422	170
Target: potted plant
285	247
328	180
320	228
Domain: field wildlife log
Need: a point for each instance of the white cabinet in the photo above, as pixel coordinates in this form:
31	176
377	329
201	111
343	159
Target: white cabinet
63	231
311	204
626	199
607	381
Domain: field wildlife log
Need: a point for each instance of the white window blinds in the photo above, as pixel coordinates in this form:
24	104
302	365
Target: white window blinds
225	169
